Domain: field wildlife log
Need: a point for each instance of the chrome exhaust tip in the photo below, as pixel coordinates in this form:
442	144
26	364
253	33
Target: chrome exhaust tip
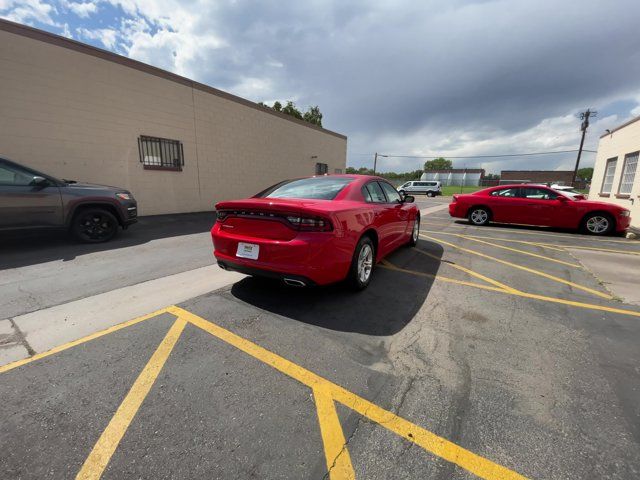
292	282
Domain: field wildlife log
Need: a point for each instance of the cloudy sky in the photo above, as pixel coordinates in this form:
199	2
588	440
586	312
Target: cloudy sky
423	78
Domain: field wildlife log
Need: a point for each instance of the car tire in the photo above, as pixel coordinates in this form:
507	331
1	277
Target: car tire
94	225
597	224
479	216
430	194
415	233
362	263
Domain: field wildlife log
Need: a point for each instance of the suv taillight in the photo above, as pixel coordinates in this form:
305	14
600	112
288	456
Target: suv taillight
309	224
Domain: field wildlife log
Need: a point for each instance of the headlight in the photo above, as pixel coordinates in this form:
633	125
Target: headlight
625	213
124	196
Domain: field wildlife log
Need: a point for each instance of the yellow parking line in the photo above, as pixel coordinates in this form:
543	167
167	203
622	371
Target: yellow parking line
523	252
521	267
519	293
520	232
500	239
99	457
466	270
335	446
427	440
390	266
65	346
596	249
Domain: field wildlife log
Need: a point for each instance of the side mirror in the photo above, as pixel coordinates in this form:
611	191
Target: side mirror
408	199
39	181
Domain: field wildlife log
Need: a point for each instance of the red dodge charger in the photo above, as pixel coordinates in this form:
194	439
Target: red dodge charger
316	230
539	205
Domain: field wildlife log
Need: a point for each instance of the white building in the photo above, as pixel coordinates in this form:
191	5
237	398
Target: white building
614	176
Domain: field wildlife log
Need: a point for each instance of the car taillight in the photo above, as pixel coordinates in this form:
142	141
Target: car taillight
221	215
309	224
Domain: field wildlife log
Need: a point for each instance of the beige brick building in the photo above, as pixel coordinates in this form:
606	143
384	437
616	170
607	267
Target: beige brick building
75	111
615	176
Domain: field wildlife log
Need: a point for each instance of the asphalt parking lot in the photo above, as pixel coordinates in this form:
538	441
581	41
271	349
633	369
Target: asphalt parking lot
483	352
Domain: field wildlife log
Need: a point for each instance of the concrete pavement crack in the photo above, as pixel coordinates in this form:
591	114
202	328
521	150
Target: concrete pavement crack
21	338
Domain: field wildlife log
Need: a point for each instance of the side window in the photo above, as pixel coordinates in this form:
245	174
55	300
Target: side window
391	193
375	192
505	192
539	193
366	194
14	177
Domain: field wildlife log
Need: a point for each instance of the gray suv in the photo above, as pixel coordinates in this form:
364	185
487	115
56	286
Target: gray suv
92	213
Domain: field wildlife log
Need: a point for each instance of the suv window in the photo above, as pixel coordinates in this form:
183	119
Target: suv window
392	194
505	192
14	176
539	193
376	194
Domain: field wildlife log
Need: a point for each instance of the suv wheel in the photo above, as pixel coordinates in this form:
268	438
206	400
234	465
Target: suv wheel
362	264
430	194
479	216
94	225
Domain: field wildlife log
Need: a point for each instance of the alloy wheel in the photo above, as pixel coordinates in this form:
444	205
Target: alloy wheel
598	224
479	216
96	226
365	263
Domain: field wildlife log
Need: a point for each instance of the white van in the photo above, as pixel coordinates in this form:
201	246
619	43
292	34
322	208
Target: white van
428	188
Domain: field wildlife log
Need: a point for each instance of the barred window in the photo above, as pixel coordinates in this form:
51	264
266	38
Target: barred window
160	153
609	172
322	168
628	173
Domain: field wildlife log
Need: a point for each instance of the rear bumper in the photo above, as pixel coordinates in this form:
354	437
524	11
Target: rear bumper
456	210
316	258
248	270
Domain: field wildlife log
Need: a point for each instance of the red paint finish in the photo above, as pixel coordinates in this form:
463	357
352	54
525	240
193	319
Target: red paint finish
560	212
320	247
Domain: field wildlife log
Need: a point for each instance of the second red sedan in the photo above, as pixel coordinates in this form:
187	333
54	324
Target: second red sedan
538	205
316	230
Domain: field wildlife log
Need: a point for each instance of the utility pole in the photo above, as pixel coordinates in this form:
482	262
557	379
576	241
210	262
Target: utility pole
375	161
584	116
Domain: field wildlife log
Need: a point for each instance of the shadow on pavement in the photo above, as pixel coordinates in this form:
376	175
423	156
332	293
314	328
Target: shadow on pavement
23	249
384	308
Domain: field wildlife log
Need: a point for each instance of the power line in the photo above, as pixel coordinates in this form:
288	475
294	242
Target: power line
479	156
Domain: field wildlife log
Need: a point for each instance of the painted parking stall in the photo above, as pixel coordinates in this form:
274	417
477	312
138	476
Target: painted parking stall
479	353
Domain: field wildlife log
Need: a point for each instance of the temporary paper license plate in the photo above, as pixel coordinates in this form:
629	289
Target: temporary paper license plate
248	250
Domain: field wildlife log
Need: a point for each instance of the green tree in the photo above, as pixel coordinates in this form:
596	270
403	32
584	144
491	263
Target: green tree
492	176
290	109
585	173
439	163
277	106
313	115
350	170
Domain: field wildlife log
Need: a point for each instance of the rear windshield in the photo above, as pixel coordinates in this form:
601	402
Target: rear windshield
319	188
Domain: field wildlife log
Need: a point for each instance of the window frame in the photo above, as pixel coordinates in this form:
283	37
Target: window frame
174	165
366	185
627	157
494	194
609	161
385	193
322	168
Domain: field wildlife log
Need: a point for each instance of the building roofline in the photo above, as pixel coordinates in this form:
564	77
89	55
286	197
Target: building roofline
538	171
53	39
615	129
